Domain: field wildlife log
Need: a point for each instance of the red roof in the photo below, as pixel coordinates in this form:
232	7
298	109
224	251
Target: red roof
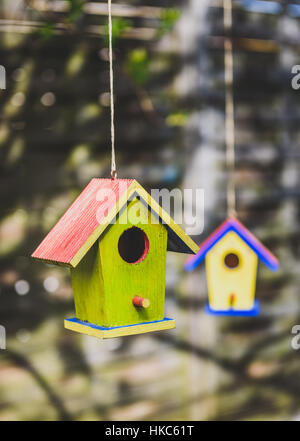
85	214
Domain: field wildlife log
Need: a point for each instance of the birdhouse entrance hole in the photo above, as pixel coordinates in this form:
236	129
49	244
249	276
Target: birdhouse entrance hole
133	245
231	260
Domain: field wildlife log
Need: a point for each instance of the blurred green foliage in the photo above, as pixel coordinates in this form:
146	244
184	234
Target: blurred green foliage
46	31
138	66
168	19
75	10
119	27
177	119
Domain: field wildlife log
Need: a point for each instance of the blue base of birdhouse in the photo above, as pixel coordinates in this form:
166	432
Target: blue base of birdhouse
77	325
234	312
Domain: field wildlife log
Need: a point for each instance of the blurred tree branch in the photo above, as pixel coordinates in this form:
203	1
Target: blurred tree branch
21	361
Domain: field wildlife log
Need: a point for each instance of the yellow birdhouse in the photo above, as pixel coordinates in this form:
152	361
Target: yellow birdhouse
231	256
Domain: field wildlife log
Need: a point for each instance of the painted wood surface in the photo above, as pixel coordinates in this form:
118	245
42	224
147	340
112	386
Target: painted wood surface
231	288
104	284
76	227
119	331
88	288
92	212
123	281
178	240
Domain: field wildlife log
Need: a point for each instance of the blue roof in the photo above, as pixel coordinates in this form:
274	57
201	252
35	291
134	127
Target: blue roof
232	224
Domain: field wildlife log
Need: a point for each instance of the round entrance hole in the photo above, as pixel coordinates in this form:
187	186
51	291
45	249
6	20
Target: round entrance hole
133	245
231	260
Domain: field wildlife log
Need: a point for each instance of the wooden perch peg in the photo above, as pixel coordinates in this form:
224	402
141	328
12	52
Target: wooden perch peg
231	300
140	302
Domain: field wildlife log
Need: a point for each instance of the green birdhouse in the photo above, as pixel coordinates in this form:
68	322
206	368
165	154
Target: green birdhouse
115	237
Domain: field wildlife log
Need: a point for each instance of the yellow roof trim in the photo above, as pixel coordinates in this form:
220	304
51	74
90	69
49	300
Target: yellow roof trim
166	218
135	187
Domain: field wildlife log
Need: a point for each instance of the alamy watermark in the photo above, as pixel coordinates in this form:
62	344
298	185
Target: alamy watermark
2	78
186	206
295	342
296	79
2	337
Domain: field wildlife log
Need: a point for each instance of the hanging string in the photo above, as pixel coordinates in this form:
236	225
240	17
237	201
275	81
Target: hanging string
229	108
113	172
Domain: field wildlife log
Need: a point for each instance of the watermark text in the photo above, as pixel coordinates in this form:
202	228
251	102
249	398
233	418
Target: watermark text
2	78
2	337
162	206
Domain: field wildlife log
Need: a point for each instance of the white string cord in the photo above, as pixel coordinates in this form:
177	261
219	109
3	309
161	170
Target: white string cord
113	172
229	109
